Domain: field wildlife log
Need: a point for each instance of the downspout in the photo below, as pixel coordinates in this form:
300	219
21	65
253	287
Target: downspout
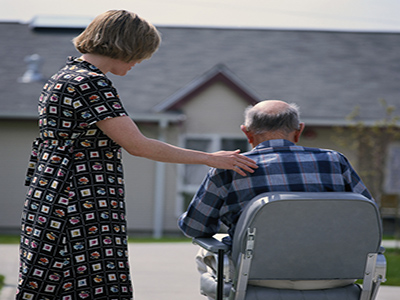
159	192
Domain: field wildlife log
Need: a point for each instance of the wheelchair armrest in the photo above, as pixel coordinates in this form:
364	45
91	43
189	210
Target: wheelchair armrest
211	244
380	268
374	275
215	246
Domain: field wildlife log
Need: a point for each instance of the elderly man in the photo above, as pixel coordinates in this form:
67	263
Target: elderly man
273	128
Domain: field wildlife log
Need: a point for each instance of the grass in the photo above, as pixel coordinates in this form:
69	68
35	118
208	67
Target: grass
392	255
393	267
9	239
14	239
162	240
1	281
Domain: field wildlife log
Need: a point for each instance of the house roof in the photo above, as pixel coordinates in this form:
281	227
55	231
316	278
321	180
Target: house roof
219	73
326	73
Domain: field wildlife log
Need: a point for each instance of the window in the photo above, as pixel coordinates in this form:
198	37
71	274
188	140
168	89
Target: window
194	174
191	176
392	182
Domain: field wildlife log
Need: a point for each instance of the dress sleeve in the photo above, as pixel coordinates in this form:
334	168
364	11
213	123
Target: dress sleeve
98	100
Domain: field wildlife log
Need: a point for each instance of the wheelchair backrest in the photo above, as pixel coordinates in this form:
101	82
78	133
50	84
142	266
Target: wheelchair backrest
306	236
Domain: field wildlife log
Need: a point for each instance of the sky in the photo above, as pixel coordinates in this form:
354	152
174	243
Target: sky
348	15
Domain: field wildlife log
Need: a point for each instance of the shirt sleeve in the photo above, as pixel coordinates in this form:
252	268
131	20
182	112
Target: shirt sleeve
353	181
98	100
202	216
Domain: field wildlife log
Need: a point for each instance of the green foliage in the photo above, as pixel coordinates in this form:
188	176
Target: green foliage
370	143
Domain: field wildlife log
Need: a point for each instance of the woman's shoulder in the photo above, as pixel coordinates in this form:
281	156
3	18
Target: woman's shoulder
82	74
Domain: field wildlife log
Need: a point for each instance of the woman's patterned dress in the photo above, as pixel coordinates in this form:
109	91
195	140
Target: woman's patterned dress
74	242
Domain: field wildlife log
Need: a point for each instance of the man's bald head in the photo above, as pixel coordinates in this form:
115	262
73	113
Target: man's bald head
272	107
272	115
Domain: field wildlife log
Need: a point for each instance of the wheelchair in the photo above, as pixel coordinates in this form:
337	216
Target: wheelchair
285	239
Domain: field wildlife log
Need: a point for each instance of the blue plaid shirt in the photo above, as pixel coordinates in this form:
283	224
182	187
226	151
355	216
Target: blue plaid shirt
282	166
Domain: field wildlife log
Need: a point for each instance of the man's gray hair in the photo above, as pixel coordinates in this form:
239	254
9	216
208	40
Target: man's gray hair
258	121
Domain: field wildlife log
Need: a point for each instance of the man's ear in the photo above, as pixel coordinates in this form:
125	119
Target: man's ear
299	132
248	134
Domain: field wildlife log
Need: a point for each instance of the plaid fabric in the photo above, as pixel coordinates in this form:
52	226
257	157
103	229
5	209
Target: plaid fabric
282	166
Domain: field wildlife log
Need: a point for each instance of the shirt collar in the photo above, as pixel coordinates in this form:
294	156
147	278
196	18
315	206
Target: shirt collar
274	143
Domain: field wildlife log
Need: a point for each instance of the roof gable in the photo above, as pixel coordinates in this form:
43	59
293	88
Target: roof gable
219	73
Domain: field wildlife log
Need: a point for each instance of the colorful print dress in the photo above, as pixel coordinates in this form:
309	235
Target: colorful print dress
73	242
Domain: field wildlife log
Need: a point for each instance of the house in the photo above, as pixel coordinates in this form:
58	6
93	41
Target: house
192	93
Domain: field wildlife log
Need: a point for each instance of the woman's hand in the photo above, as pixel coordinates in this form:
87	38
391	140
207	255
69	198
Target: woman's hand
232	160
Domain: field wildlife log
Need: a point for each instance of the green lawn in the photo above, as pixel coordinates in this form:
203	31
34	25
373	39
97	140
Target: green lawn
393	267
14	239
1	281
9	239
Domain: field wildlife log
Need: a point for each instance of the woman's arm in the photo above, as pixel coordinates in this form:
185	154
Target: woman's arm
124	132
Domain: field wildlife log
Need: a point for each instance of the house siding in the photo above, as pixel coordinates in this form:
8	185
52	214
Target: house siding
326	73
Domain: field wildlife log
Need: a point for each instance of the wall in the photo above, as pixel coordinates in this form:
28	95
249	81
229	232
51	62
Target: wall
217	110
16	138
140	185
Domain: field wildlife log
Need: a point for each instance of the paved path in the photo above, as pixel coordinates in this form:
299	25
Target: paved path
159	271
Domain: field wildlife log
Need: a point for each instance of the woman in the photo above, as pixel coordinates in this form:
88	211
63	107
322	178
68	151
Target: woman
73	243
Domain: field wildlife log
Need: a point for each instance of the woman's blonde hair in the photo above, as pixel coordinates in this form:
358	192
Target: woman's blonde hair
119	34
